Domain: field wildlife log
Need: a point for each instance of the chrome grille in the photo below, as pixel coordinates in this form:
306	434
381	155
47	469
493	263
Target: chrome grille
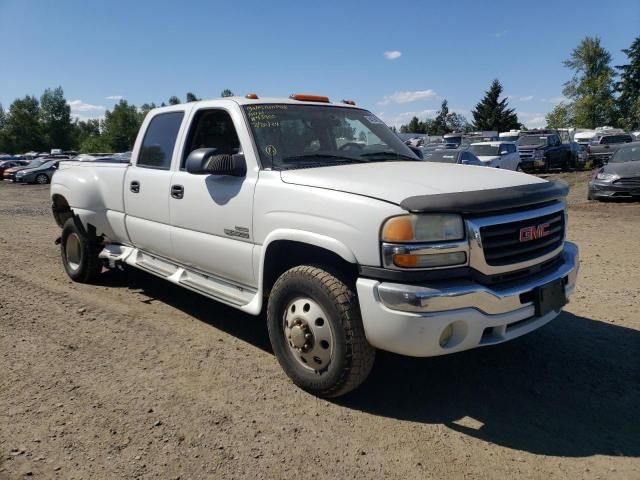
502	244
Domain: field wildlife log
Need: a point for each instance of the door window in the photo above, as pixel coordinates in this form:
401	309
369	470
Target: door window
212	129
160	140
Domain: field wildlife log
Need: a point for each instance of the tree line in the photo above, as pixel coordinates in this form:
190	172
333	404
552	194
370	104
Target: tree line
598	94
32	124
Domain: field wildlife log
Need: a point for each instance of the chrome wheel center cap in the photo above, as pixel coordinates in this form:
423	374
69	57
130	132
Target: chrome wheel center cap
298	336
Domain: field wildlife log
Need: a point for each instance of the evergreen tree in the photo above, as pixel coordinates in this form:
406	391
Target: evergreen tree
591	87
55	116
226	93
629	88
191	97
4	144
174	100
491	113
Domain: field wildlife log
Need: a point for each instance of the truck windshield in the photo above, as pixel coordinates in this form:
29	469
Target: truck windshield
532	140
305	136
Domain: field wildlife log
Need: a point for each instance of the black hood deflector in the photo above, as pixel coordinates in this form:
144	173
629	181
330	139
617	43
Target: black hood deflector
485	201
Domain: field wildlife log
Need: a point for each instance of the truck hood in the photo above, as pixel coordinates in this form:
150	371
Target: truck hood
530	147
395	181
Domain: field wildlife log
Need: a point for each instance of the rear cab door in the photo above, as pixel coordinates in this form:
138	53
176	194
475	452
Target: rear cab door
148	179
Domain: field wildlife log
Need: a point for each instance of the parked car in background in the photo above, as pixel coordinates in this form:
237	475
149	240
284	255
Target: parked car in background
497	154
620	178
6	164
600	152
41	174
543	150
10	173
459	156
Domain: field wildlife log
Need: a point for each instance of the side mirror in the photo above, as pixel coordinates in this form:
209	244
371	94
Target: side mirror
503	152
417	151
207	161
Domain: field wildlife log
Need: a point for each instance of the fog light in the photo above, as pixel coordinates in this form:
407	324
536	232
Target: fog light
446	335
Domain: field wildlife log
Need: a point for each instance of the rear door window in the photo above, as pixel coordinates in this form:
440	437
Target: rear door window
160	140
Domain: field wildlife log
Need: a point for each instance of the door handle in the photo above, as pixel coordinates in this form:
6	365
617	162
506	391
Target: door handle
135	186
177	191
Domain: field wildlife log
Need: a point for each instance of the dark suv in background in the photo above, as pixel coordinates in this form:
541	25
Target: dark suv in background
543	150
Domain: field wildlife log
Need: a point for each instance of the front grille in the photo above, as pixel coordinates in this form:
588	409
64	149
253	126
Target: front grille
631	182
502	245
526	154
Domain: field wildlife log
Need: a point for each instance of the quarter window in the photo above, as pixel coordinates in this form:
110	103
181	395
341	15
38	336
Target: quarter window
160	140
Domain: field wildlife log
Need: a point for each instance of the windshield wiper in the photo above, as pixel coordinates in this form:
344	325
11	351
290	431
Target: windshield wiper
387	153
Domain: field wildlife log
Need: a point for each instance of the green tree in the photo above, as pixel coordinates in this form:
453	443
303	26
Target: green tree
4	144
414	126
491	113
94	144
439	125
226	93
85	129
457	122
591	87
55	116
146	108
562	116
174	100
629	88
191	97
121	126
23	128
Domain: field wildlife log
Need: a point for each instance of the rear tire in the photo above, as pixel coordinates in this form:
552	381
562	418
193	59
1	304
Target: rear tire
316	332
42	179
79	252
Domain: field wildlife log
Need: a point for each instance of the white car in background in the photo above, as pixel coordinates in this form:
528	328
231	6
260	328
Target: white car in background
503	155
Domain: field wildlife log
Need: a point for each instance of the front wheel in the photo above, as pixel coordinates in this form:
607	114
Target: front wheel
79	252
316	332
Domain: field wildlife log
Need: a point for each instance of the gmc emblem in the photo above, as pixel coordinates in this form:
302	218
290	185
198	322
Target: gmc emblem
532	233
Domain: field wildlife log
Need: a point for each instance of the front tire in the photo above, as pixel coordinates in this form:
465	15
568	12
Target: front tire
316	332
79	252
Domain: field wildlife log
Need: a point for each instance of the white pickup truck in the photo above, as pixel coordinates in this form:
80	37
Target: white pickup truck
318	213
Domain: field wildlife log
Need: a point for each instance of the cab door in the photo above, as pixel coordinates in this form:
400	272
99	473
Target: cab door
211	215
147	182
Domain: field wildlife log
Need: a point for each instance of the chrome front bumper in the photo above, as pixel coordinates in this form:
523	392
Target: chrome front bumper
410	319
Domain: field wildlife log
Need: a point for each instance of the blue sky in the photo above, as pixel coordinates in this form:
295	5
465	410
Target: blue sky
396	59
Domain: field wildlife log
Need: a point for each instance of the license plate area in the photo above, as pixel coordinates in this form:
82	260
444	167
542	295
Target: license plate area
549	297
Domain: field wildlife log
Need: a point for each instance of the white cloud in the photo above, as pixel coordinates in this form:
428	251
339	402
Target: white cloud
532	119
392	54
501	33
85	111
407	97
555	100
395	120
528	98
114	97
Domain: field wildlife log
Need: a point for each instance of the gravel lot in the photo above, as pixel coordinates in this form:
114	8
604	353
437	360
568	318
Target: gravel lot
136	378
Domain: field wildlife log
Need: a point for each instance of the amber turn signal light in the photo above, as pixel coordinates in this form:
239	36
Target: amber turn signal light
303	97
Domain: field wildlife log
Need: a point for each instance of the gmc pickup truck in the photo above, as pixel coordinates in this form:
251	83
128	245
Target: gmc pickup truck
543	150
350	246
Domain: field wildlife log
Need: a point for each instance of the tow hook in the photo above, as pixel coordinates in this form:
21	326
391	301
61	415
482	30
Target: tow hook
58	240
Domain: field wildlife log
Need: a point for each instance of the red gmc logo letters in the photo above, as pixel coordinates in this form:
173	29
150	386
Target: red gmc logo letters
534	232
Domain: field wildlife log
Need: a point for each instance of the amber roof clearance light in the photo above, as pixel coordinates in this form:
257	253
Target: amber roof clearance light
251	96
309	98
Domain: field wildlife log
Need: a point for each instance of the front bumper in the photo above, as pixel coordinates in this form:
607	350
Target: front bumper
410	319
611	190
531	163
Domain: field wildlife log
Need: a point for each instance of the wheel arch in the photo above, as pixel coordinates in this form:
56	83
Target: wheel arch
281	254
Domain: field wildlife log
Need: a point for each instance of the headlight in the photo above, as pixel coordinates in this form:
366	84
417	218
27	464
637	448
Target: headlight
423	228
607	177
20	173
424	241
539	154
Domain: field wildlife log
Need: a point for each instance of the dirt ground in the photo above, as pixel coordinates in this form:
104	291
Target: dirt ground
137	378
